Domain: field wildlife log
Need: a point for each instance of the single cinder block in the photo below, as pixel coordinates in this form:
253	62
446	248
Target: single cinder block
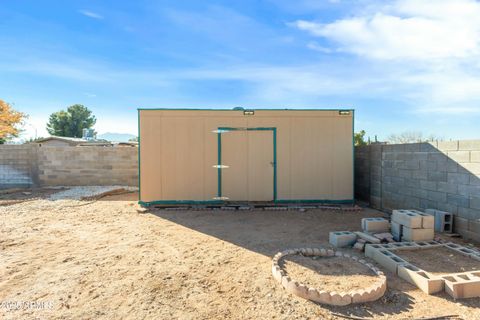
367	237
443	220
407	218
421	279
465	285
397	231
405	246
370	250
341	239
410	234
388	260
375	225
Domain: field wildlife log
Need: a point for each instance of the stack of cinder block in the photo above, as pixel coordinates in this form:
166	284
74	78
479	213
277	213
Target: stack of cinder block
412	225
443	220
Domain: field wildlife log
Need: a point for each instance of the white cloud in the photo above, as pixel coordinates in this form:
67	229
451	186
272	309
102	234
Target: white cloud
407	29
430	48
315	46
91	14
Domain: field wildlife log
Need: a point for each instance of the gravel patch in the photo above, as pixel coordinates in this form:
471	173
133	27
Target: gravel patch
78	193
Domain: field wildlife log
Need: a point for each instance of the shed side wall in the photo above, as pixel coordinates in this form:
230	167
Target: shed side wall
179	150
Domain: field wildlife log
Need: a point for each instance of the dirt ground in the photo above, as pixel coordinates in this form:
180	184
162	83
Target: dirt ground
330	274
439	260
103	259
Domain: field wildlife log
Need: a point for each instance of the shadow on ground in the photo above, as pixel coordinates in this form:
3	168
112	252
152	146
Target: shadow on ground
268	232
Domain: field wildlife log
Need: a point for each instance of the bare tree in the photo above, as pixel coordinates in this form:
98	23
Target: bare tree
411	137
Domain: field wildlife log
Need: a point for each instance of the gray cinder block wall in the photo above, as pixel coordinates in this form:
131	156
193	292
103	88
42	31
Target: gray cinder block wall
443	175
17	166
33	165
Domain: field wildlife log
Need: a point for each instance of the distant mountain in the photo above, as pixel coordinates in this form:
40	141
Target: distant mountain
118	137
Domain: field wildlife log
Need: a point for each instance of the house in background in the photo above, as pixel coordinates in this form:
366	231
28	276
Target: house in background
72	142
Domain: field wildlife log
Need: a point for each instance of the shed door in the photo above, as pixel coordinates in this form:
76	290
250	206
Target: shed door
249	155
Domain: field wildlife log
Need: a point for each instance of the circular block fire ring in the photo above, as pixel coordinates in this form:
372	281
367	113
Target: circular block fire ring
371	293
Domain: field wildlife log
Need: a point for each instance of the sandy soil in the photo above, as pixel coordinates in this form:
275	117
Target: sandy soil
329	274
105	260
439	260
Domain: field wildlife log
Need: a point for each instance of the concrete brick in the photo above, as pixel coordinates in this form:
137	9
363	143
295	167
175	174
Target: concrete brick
405	173
459	156
458	178
420	156
437	176
397	231
452	166
474	180
475	203
458	200
437	196
412	183
420	174
472	253
412	202
428	165
469	145
403	246
412	164
428	185
468	190
367	237
460	223
467	213
428	221
388	260
420	278
341	239
375	225
412	147
422	194
437	157
443	220
447	187
444	206
472	168
410	234
406	191
474	226
370	249
428	146
466	234
464	285
442	166
447	145
407	218
474	156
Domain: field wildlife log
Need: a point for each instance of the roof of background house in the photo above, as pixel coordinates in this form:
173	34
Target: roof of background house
126	144
75	141
66	139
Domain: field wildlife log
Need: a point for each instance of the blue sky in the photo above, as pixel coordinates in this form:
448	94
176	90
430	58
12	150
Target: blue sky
405	65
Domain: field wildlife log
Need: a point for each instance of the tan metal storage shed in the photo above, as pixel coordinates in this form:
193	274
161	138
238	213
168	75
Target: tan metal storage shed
200	156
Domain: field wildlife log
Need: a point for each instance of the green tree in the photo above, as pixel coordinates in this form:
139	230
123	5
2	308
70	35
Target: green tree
70	123
359	138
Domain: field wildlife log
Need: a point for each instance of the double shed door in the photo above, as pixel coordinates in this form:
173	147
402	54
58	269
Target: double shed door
249	155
